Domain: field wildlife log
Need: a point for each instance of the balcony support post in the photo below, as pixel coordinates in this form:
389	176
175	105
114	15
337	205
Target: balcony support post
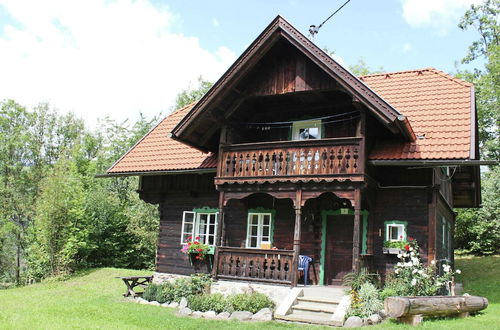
296	236
220	234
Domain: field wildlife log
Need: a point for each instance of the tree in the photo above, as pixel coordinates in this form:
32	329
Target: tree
361	68
478	230
191	94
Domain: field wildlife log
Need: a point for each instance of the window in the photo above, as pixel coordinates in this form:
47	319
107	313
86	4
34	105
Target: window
201	224
395	231
259	230
306	130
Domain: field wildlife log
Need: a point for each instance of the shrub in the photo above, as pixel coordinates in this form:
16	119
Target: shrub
165	293
249	302
366	301
151	291
209	302
356	279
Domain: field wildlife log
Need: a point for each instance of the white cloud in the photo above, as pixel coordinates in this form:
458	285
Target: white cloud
407	47
438	14
100	58
215	22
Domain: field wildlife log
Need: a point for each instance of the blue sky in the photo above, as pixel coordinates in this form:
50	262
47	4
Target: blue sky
121	57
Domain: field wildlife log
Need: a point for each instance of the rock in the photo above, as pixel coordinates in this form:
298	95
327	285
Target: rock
165	305
196	314
265	314
173	304
241	316
374	319
183	303
382	314
365	321
184	311
209	315
155	303
141	300
353	322
223	316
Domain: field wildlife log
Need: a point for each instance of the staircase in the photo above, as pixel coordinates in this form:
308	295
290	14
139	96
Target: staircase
316	305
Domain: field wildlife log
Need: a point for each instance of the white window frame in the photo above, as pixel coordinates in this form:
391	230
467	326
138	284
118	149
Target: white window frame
401	232
298	125
196	226
260	227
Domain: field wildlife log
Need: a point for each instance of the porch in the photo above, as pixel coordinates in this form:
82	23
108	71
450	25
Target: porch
324	228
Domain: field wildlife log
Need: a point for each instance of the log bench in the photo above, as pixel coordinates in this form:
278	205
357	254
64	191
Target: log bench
411	310
135	281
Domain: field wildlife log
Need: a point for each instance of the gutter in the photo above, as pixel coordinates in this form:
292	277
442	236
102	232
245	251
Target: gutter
443	162
151	173
405	128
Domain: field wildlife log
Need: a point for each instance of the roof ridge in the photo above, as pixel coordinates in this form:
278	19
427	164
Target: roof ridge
430	69
149	132
452	78
395	72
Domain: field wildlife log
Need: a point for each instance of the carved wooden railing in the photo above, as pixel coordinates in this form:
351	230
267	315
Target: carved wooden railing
282	161
273	266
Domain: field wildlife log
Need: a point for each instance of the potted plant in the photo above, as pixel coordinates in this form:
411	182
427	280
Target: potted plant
394	247
199	254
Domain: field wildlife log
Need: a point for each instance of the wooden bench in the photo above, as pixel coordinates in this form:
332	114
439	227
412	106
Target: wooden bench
411	310
135	281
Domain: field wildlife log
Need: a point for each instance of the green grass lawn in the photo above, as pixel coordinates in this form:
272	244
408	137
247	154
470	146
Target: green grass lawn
93	300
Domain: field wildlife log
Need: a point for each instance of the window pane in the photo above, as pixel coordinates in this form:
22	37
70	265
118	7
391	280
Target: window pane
253	230
393	233
189	217
254	219
265	231
253	241
266	219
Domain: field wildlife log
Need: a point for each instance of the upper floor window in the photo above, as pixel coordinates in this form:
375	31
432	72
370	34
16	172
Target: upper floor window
306	130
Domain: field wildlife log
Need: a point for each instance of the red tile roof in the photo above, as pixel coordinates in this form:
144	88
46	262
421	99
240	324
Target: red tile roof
156	151
437	105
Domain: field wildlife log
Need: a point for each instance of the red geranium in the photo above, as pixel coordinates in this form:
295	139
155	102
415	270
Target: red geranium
407	247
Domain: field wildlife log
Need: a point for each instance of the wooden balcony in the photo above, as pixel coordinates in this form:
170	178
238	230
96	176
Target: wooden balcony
306	160
268	266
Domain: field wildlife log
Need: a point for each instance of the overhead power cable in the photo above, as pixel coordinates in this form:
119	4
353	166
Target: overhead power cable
313	29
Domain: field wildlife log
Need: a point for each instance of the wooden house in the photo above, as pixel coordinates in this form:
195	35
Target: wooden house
290	154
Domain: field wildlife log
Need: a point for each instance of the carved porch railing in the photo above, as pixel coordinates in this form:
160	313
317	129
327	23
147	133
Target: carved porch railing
307	160
271	266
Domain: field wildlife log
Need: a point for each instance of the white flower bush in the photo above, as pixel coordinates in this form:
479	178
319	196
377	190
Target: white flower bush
412	278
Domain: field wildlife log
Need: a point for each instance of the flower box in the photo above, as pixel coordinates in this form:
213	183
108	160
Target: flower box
201	265
387	250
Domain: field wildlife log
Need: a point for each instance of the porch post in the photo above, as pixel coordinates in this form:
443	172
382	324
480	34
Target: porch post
219	235
355	235
296	237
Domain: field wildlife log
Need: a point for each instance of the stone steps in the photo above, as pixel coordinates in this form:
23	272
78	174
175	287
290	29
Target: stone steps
315	305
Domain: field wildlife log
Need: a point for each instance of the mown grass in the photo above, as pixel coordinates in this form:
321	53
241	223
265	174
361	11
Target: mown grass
93	300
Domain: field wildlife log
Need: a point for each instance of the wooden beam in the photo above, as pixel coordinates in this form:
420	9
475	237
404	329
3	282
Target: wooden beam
356	230
296	236
431	250
219	235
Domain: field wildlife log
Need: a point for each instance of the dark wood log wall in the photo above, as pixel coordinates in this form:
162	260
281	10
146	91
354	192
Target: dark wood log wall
404	204
169	259
285	70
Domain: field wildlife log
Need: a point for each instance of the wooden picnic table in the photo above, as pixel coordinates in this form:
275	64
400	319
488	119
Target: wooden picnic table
135	281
